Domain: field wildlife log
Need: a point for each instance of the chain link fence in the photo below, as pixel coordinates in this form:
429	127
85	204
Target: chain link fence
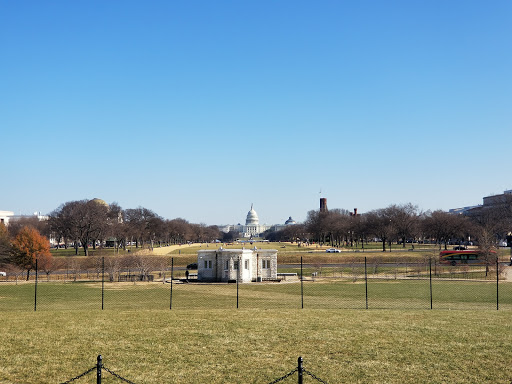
354	283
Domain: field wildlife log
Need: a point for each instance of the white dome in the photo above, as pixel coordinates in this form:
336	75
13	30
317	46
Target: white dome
289	221
252	217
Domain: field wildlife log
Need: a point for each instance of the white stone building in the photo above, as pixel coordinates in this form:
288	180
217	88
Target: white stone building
252	227
5	216
246	265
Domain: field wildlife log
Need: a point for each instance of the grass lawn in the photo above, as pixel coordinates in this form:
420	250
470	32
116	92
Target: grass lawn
258	346
205	339
291	253
318	294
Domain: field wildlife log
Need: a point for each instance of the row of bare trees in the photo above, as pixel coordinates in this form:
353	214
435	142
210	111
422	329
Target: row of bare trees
401	224
86	223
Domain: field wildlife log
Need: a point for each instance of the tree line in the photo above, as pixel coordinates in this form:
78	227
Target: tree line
91	223
27	250
486	226
84	224
87	223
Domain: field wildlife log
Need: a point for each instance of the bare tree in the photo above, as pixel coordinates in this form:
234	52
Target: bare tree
492	224
116	227
443	226
179	230
75	268
379	224
17	224
404	220
143	225
82	221
47	265
317	224
145	265
113	267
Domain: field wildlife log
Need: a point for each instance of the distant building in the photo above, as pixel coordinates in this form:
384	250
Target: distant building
323	204
503	199
5	216
463	210
290	221
500	202
244	265
252	227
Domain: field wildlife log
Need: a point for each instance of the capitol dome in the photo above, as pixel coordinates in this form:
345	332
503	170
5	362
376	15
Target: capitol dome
289	221
100	202
252	217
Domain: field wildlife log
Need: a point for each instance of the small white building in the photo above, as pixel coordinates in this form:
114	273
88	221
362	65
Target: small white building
5	216
244	265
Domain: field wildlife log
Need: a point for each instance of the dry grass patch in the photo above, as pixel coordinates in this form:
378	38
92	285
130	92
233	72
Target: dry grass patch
254	346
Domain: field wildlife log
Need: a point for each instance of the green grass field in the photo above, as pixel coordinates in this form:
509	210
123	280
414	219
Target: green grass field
258	346
204	338
318	294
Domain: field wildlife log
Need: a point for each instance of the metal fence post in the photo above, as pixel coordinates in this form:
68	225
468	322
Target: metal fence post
366	281
35	291
301	284
99	365
497	285
300	369
430	272
172	277
102	282
237	278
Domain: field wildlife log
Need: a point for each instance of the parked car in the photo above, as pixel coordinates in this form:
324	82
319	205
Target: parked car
460	248
3	274
332	250
192	266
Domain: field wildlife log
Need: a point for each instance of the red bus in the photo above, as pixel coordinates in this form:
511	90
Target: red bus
462	257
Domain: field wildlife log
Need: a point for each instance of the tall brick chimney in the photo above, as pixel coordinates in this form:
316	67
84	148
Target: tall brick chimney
323	204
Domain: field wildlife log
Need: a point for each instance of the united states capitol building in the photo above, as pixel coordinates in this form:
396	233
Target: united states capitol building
252	227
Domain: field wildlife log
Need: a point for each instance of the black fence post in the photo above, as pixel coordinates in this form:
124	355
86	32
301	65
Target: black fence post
300	369
237	278
99	366
35	291
430	272
102	283
172	277
301	284
497	285
366	281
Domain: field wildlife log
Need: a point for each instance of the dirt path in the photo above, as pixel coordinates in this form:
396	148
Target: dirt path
170	248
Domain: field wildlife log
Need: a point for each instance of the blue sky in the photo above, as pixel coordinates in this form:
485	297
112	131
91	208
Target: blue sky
197	109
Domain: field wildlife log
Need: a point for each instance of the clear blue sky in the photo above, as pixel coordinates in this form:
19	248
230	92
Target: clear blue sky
196	109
